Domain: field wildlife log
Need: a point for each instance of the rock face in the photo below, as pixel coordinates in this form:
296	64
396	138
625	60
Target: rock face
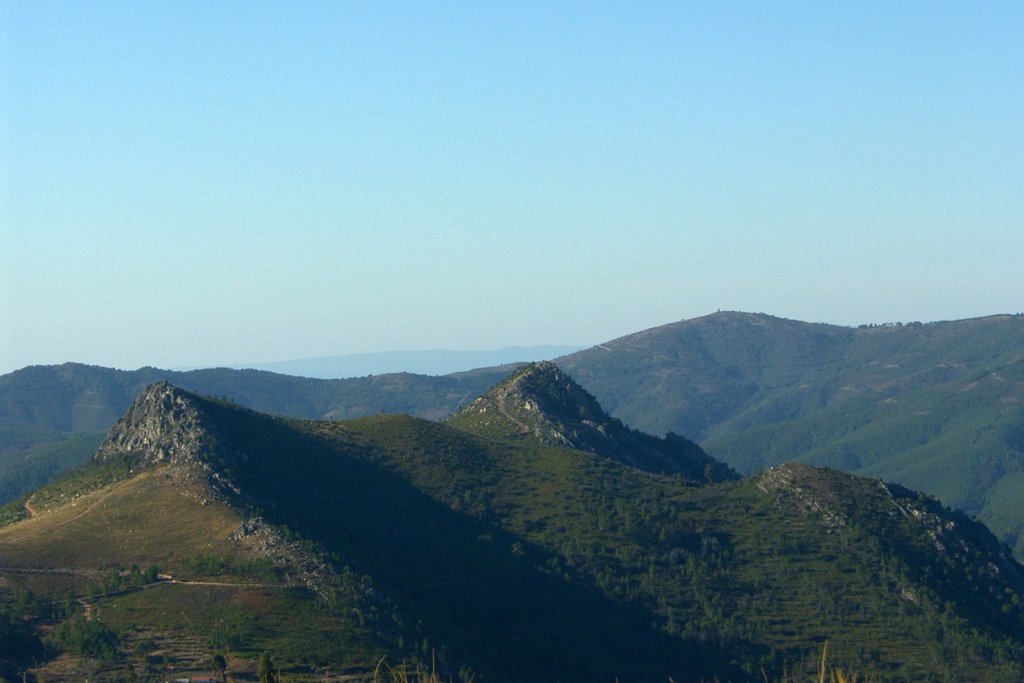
541	402
164	425
169	426
544	403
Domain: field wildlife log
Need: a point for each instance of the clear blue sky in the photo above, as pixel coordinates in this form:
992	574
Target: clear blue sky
196	183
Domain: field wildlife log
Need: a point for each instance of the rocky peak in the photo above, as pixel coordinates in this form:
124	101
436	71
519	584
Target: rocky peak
168	426
541	402
545	390
164	425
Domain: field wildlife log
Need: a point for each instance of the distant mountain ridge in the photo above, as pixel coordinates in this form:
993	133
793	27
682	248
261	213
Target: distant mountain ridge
53	417
713	366
439	362
77	398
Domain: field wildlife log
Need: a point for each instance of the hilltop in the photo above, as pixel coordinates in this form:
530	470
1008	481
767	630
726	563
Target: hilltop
202	527
540	402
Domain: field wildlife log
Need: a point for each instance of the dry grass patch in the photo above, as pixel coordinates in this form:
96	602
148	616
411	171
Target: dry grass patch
143	520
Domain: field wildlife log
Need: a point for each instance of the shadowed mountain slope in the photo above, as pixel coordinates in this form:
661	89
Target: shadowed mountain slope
333	544
285	512
152	557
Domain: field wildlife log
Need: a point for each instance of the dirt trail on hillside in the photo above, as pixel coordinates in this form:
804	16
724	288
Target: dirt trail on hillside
32	512
88	508
70	571
228	584
89	607
503	409
35	514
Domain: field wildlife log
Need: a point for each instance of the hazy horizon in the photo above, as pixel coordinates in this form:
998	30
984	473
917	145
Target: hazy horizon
416	361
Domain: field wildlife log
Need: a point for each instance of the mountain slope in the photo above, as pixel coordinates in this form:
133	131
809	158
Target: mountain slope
250	483
938	407
393	536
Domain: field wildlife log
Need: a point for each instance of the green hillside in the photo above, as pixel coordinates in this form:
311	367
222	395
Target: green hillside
29	467
938	407
333	544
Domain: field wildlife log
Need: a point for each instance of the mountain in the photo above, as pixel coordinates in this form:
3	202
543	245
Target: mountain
415	362
160	493
938	407
53	417
204	529
541	402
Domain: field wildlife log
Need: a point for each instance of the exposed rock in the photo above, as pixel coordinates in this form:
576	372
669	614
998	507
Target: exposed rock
162	426
541	402
783	481
839	500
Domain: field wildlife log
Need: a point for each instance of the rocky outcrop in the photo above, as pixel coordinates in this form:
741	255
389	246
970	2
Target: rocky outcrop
792	484
842	502
164	425
542	403
169	426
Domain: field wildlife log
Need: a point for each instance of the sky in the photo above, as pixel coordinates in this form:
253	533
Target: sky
204	183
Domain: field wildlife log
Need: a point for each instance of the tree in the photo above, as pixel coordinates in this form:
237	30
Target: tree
267	669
